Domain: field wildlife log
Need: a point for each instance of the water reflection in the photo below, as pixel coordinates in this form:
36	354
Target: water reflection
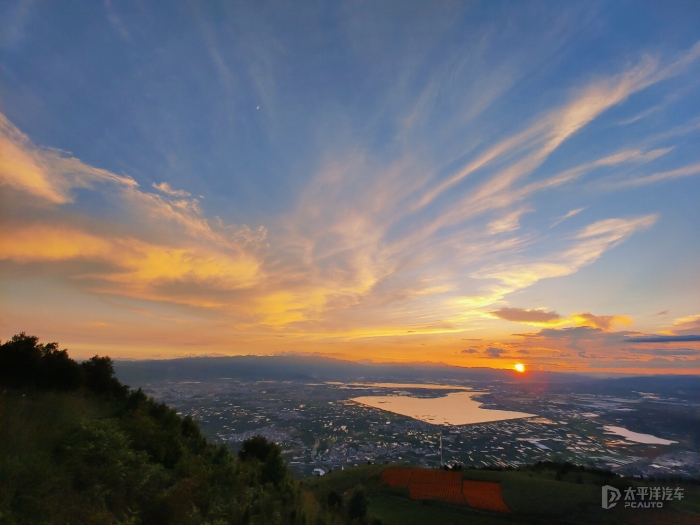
457	408
636	437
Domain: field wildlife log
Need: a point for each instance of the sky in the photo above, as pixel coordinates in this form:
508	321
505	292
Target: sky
470	183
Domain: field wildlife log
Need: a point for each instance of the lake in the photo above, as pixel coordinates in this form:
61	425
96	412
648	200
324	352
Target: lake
636	437
457	408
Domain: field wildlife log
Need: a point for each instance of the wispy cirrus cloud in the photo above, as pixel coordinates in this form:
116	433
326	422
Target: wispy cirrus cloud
545	135
46	173
168	190
508	223
686	171
395	243
342	251
586	247
567	216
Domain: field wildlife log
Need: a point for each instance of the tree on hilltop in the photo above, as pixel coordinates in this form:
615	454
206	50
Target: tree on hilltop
27	364
258	448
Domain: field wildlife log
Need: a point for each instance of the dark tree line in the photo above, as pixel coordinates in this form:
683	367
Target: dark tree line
27	364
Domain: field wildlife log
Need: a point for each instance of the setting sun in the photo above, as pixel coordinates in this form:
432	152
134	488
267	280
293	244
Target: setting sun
519	367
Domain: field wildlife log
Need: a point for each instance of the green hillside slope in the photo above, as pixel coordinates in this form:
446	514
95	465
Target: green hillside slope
551	494
77	446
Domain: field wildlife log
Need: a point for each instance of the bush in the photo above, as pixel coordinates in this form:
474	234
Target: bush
256	447
99	377
102	465
357	506
274	469
334	499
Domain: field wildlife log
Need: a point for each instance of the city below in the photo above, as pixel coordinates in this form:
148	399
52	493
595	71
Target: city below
329	425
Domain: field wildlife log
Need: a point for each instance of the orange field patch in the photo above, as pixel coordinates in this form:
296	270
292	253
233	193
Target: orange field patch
449	493
484	495
423	484
397	477
436	476
446	486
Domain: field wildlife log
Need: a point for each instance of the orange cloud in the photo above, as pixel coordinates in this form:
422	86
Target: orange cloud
138	268
46	243
508	223
604	322
350	261
20	169
45	173
168	190
332	272
690	323
519	315
284	307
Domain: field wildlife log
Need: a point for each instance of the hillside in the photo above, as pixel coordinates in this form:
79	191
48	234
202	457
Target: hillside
545	493
77	446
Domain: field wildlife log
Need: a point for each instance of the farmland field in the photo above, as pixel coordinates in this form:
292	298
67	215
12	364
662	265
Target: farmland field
533	495
484	495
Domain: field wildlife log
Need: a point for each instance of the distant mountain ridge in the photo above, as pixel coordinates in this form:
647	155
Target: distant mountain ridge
316	368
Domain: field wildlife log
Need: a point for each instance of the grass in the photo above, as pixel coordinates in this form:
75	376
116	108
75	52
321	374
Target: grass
396	510
534	497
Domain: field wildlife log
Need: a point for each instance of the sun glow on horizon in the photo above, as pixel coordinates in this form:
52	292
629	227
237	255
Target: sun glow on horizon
519	367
